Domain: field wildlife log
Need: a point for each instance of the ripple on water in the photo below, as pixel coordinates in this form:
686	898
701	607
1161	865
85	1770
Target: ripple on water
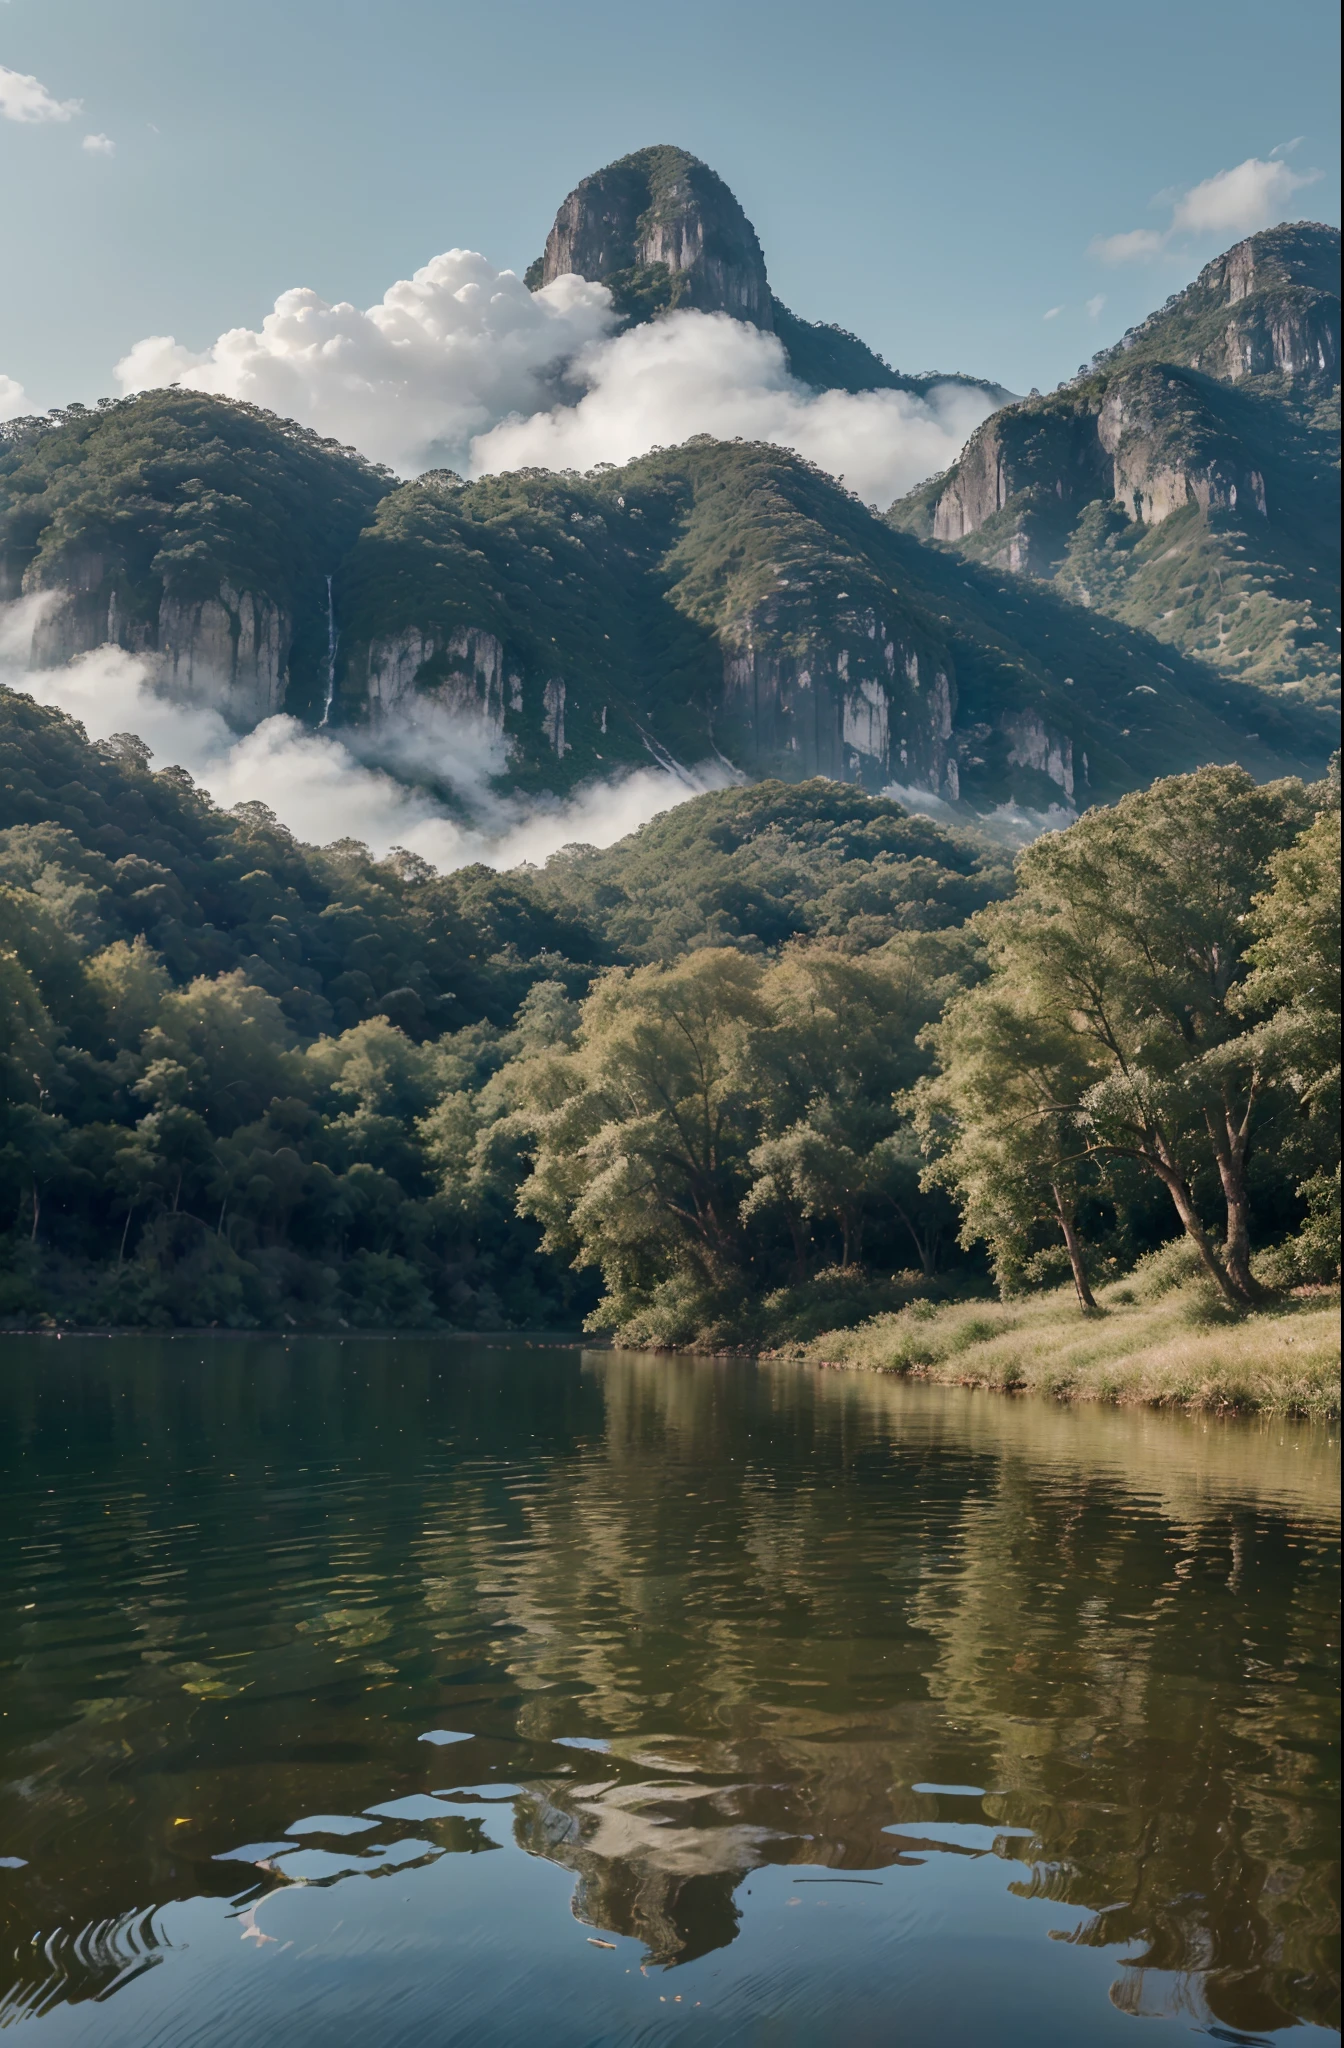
934	1678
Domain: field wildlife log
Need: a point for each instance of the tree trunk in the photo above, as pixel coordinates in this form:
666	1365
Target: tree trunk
37	1211
923	1246
1155	1154
1086	1299
1229	1149
1198	1236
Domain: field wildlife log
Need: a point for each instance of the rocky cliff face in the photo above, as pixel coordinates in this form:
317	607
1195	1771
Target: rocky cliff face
1142	439
663	210
1211	419
230	649
857	705
1269	307
463	673
724	600
199	534
717	599
1016	450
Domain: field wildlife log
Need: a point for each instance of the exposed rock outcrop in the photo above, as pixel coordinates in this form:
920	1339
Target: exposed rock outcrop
553	715
662	230
1143	440
229	650
1166	455
1031	744
1268	307
662	209
232	649
1215	411
1014	450
870	711
465	675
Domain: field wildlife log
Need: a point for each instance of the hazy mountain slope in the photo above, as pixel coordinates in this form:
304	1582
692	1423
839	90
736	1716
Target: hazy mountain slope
661	230
119	851
1188	480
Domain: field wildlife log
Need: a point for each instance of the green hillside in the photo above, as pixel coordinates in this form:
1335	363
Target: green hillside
241	1078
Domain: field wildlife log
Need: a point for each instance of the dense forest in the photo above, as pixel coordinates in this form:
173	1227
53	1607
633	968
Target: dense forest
784	1058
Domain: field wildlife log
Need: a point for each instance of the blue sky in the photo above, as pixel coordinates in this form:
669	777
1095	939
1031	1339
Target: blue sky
933	176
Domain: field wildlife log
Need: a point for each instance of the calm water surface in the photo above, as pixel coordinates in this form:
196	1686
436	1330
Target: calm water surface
401	1692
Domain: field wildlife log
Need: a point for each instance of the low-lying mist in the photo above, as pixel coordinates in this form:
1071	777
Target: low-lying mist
328	785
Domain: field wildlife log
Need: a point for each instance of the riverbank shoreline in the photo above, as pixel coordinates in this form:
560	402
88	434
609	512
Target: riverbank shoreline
1176	1352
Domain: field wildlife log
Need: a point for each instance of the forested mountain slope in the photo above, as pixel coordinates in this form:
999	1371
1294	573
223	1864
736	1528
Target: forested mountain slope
1187	481
730	598
718	599
189	528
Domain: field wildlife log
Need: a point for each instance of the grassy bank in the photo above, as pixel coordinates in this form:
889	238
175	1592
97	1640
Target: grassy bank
1153	1342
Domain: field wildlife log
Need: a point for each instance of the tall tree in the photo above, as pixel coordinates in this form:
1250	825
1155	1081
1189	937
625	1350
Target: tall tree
1130	932
1000	1122
640	1163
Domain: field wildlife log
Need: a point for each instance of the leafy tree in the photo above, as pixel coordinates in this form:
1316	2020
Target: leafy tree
726	1123
1294	987
1129	932
639	1167
130	982
1003	1139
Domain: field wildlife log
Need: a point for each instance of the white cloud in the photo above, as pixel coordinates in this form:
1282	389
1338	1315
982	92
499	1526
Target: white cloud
1252	195
11	397
1239	201
24	98
462	365
442	357
1287	148
1053	313
324	785
99	145
704	373
1093	306
1129	248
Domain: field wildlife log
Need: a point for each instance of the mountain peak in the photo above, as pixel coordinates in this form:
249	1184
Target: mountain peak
1268	306
660	229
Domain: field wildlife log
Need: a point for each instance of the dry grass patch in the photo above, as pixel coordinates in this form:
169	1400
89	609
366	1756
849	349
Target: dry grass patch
1177	1351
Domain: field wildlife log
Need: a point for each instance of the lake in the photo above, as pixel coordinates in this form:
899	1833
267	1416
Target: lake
402	1691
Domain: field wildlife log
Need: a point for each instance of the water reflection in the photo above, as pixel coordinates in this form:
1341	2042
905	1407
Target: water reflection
678	1622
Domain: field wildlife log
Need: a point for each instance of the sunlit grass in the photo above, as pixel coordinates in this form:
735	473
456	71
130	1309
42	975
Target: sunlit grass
1177	1351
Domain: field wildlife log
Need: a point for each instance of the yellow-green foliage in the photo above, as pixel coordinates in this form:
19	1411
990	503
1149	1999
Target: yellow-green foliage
1176	1351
